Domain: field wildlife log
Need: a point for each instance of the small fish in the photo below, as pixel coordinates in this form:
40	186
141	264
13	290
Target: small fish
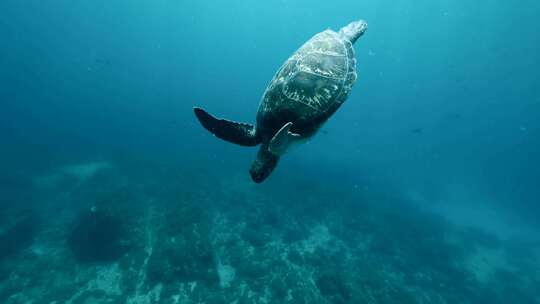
417	130
103	62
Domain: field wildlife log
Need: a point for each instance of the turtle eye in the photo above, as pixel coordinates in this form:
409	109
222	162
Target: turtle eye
257	175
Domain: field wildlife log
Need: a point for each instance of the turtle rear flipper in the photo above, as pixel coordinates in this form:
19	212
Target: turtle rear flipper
353	30
235	132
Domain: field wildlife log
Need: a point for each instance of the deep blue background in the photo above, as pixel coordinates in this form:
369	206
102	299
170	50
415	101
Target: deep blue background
446	107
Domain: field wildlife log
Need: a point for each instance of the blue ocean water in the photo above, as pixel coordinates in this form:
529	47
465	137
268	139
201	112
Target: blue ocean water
421	188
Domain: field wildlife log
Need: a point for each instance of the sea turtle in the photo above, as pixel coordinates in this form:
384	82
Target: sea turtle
304	93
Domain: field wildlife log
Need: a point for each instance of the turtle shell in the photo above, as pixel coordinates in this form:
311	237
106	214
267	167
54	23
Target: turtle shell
310	86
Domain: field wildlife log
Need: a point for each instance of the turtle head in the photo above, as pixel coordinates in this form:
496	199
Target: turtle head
353	30
263	165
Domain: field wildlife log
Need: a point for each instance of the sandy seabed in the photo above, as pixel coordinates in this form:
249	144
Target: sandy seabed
100	232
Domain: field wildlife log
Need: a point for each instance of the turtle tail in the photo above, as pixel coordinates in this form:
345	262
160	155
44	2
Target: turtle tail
237	133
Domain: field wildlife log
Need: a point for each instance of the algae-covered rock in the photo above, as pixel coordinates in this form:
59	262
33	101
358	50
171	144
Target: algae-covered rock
98	235
183	251
18	233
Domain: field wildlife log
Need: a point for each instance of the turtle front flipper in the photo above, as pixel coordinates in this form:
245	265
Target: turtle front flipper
264	164
235	132
283	140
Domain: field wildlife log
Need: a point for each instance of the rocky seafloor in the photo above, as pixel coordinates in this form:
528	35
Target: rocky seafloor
104	233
